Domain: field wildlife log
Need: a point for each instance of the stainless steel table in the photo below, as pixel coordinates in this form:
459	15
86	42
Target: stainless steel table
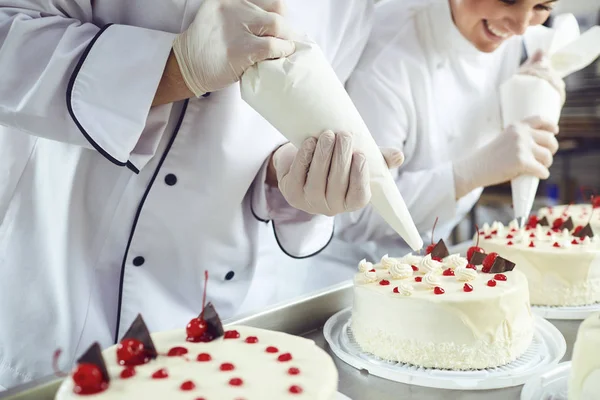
306	317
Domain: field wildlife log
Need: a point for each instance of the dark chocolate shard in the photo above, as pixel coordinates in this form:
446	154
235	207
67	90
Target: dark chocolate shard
440	250
568	224
93	355
213	322
139	330
477	258
586	231
544	222
501	265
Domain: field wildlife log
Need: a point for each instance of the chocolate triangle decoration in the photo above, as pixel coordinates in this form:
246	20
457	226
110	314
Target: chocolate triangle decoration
568	224
139	330
440	250
544	222
213	322
586	231
477	258
501	265
94	356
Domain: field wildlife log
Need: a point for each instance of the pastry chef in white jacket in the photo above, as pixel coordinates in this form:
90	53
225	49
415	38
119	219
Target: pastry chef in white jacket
115	196
427	82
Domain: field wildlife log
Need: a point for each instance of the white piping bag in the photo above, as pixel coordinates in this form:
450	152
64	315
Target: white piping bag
301	96
524	96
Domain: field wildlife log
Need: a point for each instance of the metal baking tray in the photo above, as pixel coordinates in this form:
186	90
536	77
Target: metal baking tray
306	317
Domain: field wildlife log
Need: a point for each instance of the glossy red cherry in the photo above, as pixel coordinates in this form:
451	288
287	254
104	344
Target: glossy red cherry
531	244
88	379
227	367
557	223
578	229
474	249
448	272
187	386
204	357
295	389
429	249
195	329
131	352
467	288
231	335
127	372
438	290
293	371
596	202
160	374
236	382
284	357
418	279
491	283
384	282
532	222
489	261
414	268
252	339
500	277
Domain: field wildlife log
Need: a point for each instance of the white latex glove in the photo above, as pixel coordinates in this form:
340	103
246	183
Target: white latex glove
526	148
325	176
227	37
539	65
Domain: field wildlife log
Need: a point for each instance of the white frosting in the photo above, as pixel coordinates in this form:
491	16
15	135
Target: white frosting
370	276
428	264
364	265
486	228
432	279
405	289
388	262
488	327
464	274
411	259
455	261
514	224
568	275
257	368
586	241
401	271
584	380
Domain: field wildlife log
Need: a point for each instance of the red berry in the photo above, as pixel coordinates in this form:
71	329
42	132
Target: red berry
414	268
231	335
500	277
531	244
236	382
556	244
272	349
494	232
87	378
532	222
187	386
438	290
131	352
574	241
491	283
160	374
509	243
204	357
532	235
293	371
395	290
548	233
467	288
295	389
227	367
372	270
127	372
489	261
177	351
418	279
284	357
472	266
578	229
557	223
195	329
384	282
448	272
251	339
509	236
429	248
488	237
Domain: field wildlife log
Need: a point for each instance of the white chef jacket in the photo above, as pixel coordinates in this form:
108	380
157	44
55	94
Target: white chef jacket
109	208
424	88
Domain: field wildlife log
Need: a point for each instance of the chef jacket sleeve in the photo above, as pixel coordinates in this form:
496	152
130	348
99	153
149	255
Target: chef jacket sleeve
65	79
383	95
299	234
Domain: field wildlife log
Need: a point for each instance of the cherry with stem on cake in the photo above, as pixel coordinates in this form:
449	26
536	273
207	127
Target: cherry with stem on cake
88	379
488	262
432	245
474	249
131	352
532	222
198	326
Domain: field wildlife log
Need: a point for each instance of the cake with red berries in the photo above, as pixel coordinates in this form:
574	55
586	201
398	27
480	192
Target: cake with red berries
560	259
203	362
580	214
439	311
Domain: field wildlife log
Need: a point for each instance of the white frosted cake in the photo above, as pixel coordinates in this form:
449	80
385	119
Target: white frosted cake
241	363
562	264
582	214
445	315
584	379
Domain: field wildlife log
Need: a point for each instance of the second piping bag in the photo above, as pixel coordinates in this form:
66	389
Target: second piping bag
301	96
524	96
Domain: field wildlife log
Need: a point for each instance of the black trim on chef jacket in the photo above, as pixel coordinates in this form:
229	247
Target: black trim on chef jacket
139	212
301	257
69	96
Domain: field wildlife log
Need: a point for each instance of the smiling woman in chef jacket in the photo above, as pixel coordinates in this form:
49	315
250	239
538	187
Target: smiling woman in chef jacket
116	193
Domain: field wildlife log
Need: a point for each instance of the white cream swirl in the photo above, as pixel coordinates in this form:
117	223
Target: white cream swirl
464	274
566	235
428	264
514	224
388	262
370	276
485	228
432	279
565	243
401	271
364	265
587	240
411	259
454	261
405	289
540	233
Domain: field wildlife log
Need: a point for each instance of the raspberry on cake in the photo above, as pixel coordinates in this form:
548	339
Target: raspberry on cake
444	314
561	262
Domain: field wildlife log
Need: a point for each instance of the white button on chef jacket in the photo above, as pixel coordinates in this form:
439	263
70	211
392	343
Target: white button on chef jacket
109	208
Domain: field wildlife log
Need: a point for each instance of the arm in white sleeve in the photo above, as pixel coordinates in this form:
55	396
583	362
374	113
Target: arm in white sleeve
299	234
66	79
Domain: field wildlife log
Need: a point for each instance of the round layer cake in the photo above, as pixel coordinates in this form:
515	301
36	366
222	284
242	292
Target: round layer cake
581	214
563	269
584	379
445	315
246	363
